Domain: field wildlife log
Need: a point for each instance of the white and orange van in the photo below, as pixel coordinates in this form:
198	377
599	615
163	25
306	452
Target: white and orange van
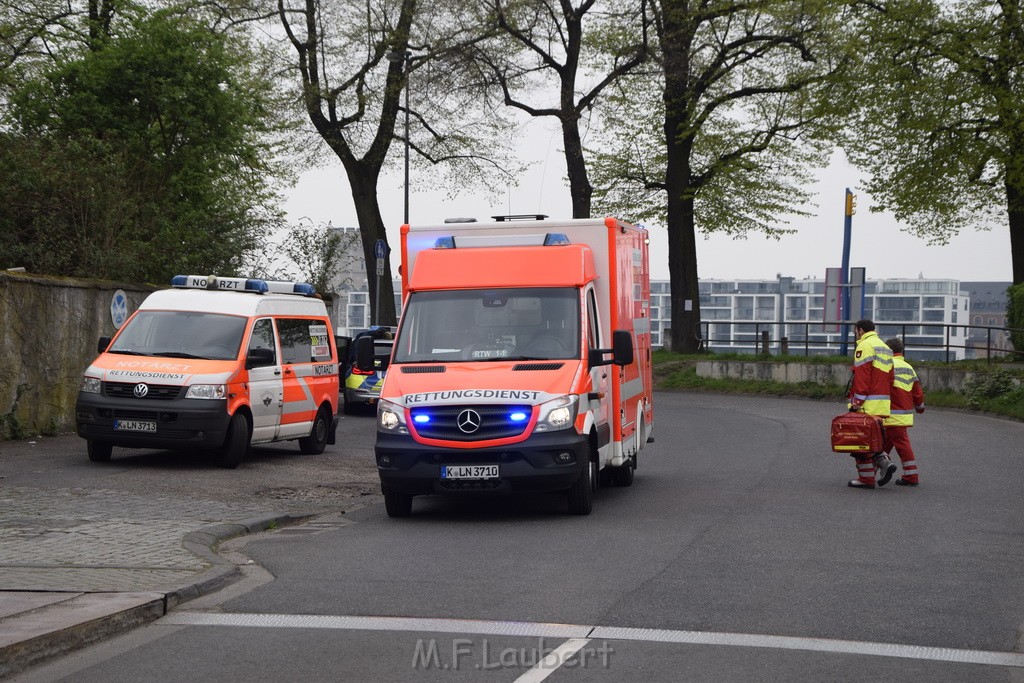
522	361
214	363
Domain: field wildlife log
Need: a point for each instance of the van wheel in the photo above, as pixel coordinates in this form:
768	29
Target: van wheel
315	443
398	504
236	444
581	495
99	451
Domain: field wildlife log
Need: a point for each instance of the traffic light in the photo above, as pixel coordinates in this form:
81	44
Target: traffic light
851	203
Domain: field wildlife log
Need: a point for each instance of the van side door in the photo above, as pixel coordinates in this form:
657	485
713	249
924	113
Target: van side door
266	389
297	357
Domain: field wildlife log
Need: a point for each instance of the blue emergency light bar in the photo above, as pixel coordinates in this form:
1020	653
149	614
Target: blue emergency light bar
241	284
551	239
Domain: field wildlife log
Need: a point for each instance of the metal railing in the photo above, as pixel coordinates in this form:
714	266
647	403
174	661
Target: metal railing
818	338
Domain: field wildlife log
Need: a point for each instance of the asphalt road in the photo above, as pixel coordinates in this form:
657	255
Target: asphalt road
738	554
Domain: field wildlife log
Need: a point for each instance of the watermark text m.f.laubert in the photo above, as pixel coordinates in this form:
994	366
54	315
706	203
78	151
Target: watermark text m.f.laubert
466	653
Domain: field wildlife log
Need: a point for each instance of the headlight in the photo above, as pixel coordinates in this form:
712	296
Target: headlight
212	391
391	418
558	413
90	385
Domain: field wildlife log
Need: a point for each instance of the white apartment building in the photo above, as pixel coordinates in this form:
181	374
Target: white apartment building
735	313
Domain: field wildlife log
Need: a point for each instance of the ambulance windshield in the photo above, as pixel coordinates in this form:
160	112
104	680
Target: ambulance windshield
490	325
181	334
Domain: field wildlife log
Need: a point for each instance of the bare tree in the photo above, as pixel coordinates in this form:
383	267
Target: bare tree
729	144
555	58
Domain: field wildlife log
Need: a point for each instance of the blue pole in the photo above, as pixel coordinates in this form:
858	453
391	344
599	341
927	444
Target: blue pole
845	279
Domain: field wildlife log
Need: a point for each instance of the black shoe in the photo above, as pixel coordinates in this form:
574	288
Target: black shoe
903	482
886	469
858	484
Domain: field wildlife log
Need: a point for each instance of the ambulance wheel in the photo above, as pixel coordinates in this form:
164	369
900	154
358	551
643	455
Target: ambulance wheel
581	495
236	444
99	451
315	443
398	504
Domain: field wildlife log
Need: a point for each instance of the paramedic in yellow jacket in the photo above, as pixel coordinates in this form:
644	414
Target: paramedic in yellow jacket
869	392
907	398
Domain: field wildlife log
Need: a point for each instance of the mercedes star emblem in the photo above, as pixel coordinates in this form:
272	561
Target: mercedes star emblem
469	421
141	390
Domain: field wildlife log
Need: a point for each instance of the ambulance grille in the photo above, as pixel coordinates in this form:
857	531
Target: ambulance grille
536	366
495	422
159	392
413	369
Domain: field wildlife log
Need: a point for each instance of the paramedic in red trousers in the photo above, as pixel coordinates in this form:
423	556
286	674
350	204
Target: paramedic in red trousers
869	392
907	397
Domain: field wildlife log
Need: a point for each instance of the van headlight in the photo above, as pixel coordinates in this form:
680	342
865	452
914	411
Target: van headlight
211	391
391	418
90	385
558	413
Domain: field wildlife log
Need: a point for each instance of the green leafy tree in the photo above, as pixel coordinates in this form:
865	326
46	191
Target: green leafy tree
938	116
145	153
721	136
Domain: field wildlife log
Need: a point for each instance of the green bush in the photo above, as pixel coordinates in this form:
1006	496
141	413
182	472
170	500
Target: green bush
988	385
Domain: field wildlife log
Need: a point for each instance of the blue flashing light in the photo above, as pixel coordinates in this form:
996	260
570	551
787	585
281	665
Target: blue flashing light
554	239
303	288
445	242
518	416
179	281
421	419
260	286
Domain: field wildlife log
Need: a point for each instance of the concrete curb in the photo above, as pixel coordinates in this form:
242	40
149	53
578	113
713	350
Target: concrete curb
51	628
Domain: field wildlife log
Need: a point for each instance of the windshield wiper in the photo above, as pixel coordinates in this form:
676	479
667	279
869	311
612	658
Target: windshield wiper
180	354
125	352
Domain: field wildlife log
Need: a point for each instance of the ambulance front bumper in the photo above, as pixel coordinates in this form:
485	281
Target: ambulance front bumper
131	423
535	465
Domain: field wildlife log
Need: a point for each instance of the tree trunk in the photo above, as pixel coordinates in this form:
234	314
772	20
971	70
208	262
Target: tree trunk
363	181
576	167
1015	213
682	245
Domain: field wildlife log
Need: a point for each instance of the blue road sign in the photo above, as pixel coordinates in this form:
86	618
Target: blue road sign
380	249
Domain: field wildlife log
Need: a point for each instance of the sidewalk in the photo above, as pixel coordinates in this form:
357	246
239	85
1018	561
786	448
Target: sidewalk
80	565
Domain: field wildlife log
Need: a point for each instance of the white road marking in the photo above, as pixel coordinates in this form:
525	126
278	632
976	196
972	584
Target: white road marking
552	661
578	635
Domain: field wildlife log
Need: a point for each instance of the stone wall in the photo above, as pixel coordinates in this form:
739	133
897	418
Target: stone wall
49	327
932	378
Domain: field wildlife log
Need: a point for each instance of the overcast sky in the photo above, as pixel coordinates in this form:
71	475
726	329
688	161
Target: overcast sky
878	244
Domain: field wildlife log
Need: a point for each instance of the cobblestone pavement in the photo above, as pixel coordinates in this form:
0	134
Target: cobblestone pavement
101	540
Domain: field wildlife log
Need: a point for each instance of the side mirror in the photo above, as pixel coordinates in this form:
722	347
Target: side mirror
622	351
103	344
257	358
622	347
364	354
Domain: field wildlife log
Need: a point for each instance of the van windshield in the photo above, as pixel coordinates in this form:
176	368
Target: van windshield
537	323
181	334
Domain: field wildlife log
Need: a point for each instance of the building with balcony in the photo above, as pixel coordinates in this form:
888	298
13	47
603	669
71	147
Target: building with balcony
735	314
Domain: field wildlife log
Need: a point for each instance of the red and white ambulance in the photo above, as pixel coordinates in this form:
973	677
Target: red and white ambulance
522	361
214	363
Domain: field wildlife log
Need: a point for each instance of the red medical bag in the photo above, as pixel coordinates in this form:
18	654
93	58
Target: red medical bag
856	433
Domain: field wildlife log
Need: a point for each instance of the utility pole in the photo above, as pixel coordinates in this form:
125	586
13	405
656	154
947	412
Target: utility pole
851	208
